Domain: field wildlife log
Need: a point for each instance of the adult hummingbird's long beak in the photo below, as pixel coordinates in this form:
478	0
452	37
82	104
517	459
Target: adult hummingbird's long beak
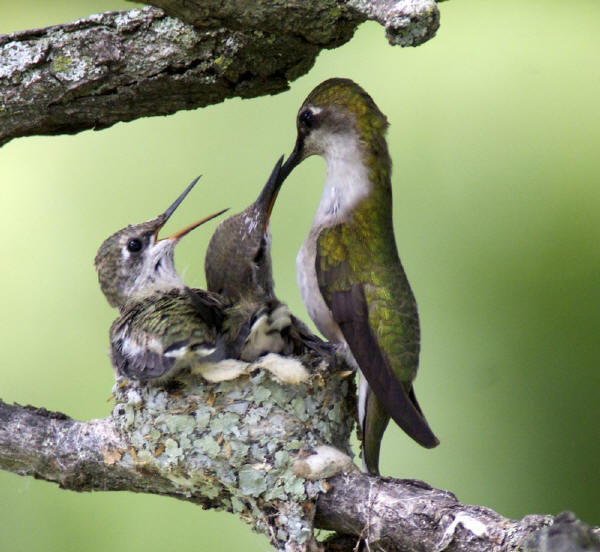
178	235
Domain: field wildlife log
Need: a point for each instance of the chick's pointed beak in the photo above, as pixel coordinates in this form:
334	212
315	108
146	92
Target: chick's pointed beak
294	158
178	235
268	195
164	217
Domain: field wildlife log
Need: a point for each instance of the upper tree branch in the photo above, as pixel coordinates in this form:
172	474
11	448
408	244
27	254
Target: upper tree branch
119	66
123	65
393	514
324	22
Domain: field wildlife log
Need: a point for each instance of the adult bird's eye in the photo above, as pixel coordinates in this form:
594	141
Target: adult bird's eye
134	245
307	118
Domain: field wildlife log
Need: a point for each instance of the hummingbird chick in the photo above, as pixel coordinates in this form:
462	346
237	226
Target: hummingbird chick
238	266
163	325
349	272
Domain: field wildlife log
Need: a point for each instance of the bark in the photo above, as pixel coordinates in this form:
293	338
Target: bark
327	22
119	66
232	446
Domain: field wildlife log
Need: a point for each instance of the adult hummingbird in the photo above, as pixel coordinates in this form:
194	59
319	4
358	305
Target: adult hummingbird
163	325
238	266
348	269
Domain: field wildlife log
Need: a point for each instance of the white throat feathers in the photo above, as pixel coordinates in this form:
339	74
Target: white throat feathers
158	272
347	178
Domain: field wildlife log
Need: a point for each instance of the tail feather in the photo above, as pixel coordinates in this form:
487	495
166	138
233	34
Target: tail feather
373	427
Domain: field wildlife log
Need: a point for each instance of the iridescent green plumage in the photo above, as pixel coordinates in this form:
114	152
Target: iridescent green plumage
345	259
349	271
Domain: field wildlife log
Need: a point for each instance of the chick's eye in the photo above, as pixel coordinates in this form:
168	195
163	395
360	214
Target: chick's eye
260	255
307	118
134	245
262	251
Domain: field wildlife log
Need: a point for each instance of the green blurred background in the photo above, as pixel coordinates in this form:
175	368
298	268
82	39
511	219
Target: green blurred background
495	136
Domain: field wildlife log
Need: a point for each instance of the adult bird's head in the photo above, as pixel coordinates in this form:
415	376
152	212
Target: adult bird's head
135	262
339	121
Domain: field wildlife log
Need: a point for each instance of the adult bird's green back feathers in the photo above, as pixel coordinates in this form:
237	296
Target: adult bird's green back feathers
350	311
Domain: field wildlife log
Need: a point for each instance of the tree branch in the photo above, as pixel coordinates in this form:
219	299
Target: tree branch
328	23
238	446
119	66
123	65
401	514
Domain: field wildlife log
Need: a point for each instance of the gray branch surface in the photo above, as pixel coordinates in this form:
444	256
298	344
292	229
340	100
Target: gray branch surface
243	446
119	66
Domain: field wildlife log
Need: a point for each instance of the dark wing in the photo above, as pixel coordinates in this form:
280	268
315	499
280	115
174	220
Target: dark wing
131	355
144	367
209	306
302	340
156	337
350	311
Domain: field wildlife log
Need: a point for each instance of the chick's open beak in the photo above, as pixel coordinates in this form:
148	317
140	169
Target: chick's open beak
164	217
178	235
